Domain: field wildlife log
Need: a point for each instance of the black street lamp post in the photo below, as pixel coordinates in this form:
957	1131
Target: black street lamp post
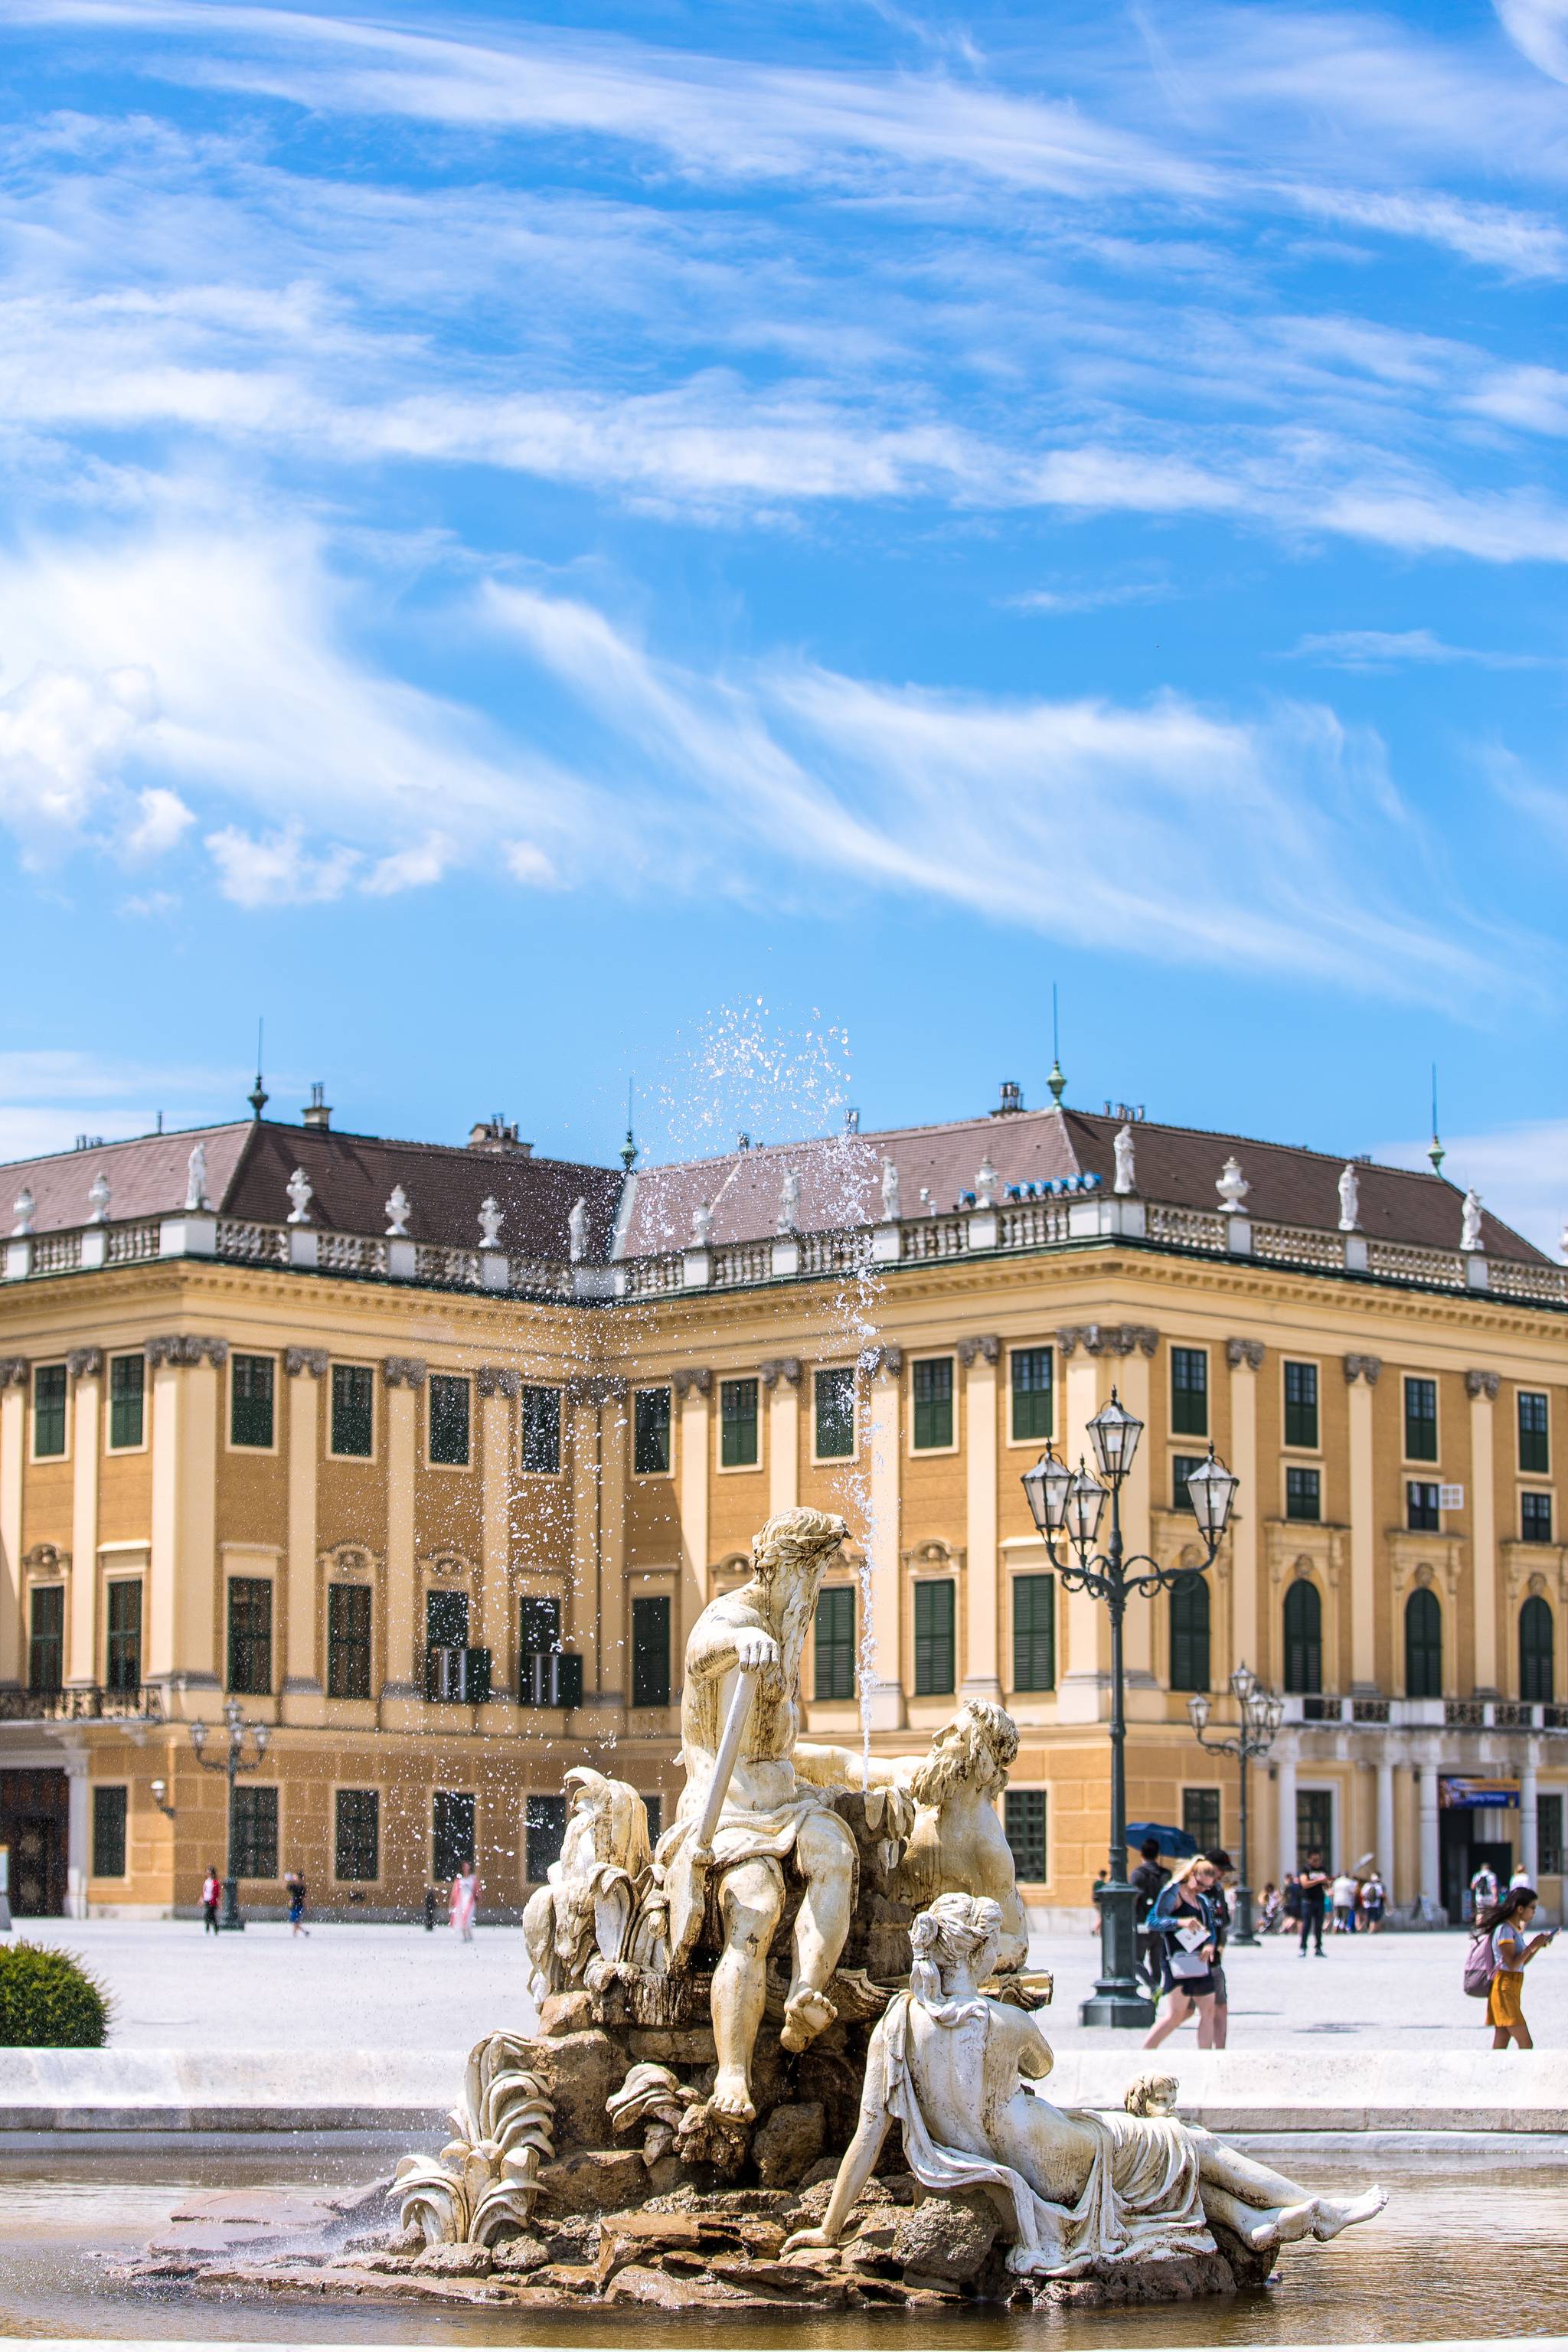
231	1761
1071	1503
1261	1712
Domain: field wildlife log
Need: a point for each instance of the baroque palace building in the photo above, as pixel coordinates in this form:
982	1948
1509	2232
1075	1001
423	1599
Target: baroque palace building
427	1457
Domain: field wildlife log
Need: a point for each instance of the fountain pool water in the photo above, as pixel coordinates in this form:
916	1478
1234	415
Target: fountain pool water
1462	2249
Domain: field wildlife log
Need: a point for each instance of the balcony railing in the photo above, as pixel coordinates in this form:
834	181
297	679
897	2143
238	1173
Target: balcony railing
142	1702
1426	1714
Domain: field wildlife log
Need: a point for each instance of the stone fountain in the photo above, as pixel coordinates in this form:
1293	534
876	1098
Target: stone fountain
788	2056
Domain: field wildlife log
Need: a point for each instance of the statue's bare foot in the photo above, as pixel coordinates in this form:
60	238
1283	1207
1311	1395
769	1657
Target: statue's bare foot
1337	2214
807	2014
729	2095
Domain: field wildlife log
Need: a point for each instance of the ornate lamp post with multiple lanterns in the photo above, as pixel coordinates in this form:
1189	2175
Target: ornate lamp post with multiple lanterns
231	1761
1261	1712
1068	1505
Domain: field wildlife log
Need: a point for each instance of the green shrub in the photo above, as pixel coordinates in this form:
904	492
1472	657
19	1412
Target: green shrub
48	2002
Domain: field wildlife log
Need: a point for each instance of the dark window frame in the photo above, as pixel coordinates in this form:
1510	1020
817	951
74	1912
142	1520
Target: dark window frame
653	1616
111	1825
350	1645
454	1830
248	1645
1181	1468
1303	1484
544	1833
1026	1824
123	1606
1303	1423
124	1394
834	1382
1535	1517
736	1421
449	1421
56	1408
1423	1644
1034	1603
45	1642
936	1410
356	1844
1537	1651
541	1432
1203	1815
253	1830
1191	1631
1189	1391
652	1434
936	1640
351	1412
1533	1430
253	1403
1033	1398
1418	1389
834	1631
1301	1625
1423	1505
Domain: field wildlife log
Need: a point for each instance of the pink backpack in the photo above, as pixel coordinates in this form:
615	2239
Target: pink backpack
1479	1966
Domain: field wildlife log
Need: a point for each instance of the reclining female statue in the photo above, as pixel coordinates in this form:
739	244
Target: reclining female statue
1076	2186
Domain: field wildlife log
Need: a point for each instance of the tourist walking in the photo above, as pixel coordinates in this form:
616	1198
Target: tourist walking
1290	1899
1270	1910
1373	1902
1344	1902
465	1903
1507	1925
1182	1920
1218	1906
296	1887
1312	1894
1149	1878
212	1896
1521	1878
1483	1890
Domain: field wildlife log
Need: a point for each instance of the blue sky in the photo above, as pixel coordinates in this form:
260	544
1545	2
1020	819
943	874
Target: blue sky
739	544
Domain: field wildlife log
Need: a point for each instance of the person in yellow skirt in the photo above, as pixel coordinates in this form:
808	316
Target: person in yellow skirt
1507	1924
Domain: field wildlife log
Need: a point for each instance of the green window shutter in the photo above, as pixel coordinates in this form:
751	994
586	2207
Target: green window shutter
1303	1493
934	1403
1189	1634
123	1645
449	1418
1535	1431
348	1642
1200	1817
738	1424
542	1430
1034	1632
935	1660
650	1651
250	1636
651	1432
1023	1821
1033	1396
252	1400
108	1808
834	1675
47	1639
1190	1392
356	1835
1535	1518
49	1410
1422	1645
834	1393
1301	1404
127	1400
353	1411
1420	1420
1304	1638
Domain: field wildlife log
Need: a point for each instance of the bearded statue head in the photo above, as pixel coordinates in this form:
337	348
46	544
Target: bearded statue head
979	1744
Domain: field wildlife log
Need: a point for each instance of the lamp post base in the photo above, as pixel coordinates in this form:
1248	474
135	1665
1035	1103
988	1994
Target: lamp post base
231	1918
1117	1999
1245	1930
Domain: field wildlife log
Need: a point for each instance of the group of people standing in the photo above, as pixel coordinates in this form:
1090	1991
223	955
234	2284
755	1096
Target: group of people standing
1353	1902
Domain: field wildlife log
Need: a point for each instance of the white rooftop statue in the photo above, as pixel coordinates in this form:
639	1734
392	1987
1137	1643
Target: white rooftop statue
490	1216
577	1231
1350	1198
300	1191
399	1209
1470	1231
1126	1178
890	1210
1231	1184
788	1217
701	1225
985	1185
196	1178
98	1196
26	1209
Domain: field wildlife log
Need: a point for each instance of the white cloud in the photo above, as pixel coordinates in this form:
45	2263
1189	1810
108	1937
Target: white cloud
1518	244
64	733
1387	648
49	1097
1533	398
528	864
414	869
1520	1171
161	823
278	871
1539	30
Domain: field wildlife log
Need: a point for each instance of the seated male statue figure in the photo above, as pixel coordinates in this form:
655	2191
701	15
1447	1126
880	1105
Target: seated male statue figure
769	1817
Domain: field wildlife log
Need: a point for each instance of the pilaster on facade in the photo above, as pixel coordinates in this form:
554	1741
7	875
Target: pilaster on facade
982	1588
1482	1388
13	1453
181	1601
404	1691
694	1477
613	1660
782	1378
301	1694
1083	1684
886	1705
498	1614
1245	1358
84	1368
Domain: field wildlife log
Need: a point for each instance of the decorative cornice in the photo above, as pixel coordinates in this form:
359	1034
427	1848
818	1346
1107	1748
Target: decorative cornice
13	1371
405	1371
1364	1368
84	1363
186	1348
597	1387
1249	1352
499	1379
305	1360
985	1344
1108	1338
882	1359
780	1368
691	1376
1481	1384
46	1560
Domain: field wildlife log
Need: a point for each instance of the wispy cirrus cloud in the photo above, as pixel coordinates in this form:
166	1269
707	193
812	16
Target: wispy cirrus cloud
1390	648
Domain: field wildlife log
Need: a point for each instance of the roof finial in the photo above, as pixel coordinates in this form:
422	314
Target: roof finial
1435	1151
1055	1082
629	1147
257	1096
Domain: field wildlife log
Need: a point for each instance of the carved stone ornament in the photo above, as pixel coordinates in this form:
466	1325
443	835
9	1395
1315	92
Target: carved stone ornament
1424	1576
780	1368
788	1217
196	1178
701	1225
1231	1184
691	1376
1250	1352
499	1379
399	1209
405	1371
1108	1338
882	1359
300	1191
597	1387
577	1231
1364	1368
99	1195
1350	1198
985	1186
986	1344
46	1560
890	1209
1470	1221
491	1216
13	1371
184	1348
305	1360
1126	1174
1481	1384
84	1363
26	1209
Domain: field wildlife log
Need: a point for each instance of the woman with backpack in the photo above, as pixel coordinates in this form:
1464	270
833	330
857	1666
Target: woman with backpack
1502	1930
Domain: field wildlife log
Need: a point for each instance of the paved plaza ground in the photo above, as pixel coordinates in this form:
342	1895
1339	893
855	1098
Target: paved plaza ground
355	1988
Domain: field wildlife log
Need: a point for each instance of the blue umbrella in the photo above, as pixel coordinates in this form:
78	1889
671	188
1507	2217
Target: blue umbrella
1172	1842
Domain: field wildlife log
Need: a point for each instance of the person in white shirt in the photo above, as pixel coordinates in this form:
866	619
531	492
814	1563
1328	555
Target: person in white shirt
1484	1888
1343	1899
1521	1877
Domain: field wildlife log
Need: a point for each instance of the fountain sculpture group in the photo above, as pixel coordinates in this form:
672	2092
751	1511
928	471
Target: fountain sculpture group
789	2055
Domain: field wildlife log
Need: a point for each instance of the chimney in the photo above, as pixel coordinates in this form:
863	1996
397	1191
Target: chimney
498	1135
1012	1099
318	1111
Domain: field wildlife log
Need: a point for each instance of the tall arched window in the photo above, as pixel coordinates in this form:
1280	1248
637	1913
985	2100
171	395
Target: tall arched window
1535	1651
1189	1634
1422	1645
1304	1638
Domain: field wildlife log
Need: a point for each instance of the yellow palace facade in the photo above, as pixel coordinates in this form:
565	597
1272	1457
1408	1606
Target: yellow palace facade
421	1460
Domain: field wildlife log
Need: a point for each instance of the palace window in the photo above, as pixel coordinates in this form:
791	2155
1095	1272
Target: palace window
1535	1518
542	1430
253	1830
1422	1511
353	1411
934	1403
47	1639
449	1414
356	1835
250	1638
1303	1493
1200	1818
348	1642
1181	1468
1034	1632
48	1411
833	1668
1033	1397
934	1646
650	1651
1301	1404
651	1432
1023	1821
1422	1645
1536	1648
452	1832
127	1401
1535	1431
109	1810
1315	1823
1189	1634
122	1658
738	1424
1304	1638
1190	1392
545	1834
1548	1833
252	1400
834	1397
1420	1420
